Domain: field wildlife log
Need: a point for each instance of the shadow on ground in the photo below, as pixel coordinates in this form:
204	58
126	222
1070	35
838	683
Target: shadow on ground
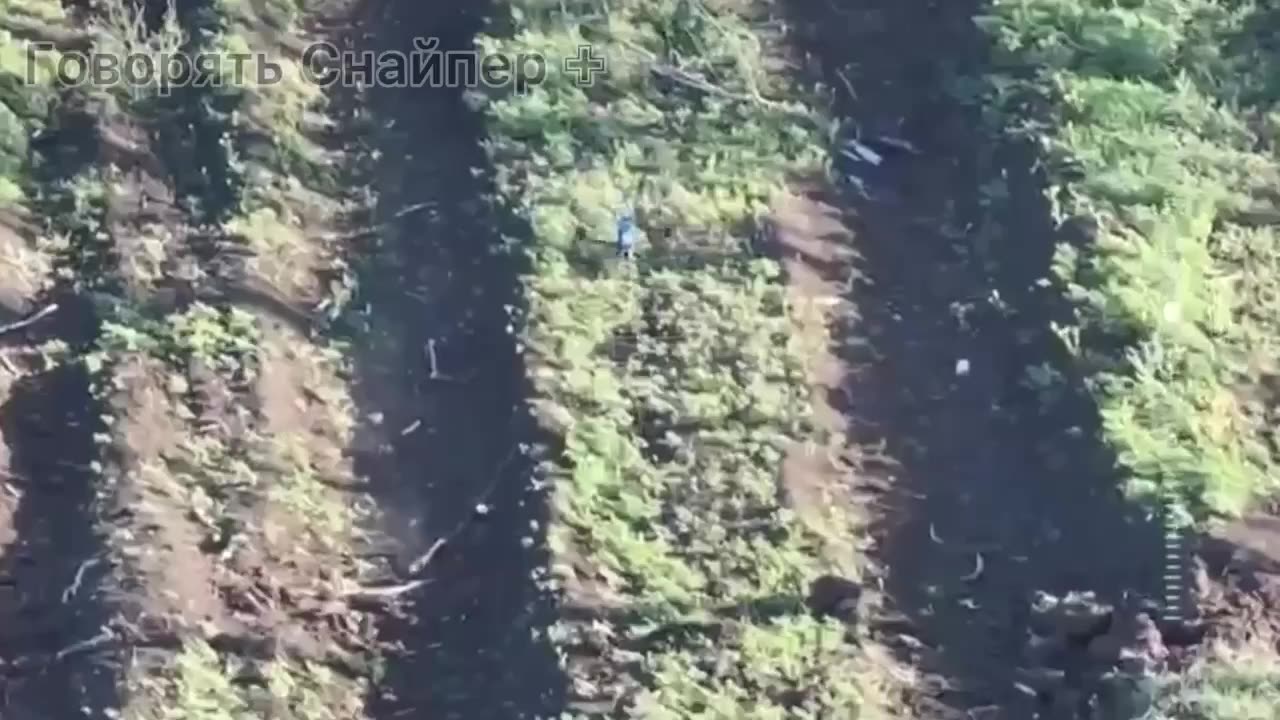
434	282
48	594
980	462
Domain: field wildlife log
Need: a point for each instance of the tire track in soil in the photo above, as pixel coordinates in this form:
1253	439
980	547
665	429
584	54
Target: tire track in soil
48	421
974	456
448	444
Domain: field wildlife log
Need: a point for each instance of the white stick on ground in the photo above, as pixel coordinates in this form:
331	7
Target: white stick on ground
74	587
11	327
431	356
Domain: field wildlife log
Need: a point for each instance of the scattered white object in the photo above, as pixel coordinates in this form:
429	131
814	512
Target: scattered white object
978	567
863	152
898	143
858	185
1172	311
482	509
962	367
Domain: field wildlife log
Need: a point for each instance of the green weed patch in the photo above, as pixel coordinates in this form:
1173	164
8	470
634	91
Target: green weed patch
1157	122
674	383
23	105
1231	682
251	494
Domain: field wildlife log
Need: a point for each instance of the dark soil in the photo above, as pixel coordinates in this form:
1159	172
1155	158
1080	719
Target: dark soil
48	421
991	466
47	424
1238	577
436	277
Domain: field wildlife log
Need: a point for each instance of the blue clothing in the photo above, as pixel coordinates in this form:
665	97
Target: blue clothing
626	240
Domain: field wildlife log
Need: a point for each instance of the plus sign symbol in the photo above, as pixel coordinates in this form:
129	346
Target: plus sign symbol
586	64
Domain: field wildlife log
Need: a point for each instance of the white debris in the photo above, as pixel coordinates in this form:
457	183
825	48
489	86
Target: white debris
898	143
863	152
962	367
482	509
858	185
978	567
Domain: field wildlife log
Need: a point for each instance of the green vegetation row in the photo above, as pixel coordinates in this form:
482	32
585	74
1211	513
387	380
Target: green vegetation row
675	383
1229	681
243	165
1157	121
23	107
225	483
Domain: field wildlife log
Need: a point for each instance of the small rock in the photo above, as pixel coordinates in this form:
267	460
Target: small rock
835	597
1044	614
1043	602
1080	615
1124	696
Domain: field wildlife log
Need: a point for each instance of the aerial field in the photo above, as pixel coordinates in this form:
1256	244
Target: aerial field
653	359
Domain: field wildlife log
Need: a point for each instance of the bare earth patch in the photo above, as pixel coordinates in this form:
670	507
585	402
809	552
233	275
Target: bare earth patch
824	482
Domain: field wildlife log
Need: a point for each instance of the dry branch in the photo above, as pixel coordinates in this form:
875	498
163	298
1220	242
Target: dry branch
423	560
74	587
390	591
104	636
31	320
377	227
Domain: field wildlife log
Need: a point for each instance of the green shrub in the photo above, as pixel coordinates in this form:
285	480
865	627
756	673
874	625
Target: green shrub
1231	682
675	383
1146	137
